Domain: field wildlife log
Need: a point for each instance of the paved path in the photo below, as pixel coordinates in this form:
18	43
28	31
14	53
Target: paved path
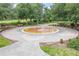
28	44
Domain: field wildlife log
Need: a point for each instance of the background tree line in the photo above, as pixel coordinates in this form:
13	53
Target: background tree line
36	12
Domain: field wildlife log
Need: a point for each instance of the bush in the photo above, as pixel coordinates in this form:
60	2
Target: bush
74	43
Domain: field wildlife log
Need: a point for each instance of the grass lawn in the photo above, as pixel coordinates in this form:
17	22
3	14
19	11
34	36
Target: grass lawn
4	41
12	21
54	51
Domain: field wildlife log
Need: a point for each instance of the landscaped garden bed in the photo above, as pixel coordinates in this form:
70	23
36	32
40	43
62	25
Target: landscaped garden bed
56	51
64	48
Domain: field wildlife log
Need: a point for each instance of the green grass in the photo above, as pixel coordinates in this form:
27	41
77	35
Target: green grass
4	41
28	22
24	20
54	51
12	21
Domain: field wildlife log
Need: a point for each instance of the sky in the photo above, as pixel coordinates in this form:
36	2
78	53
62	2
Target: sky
47	4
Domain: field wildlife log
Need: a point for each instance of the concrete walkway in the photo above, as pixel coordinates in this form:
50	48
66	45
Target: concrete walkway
28	44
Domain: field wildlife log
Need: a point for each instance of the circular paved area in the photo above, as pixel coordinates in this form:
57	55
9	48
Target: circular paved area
28	44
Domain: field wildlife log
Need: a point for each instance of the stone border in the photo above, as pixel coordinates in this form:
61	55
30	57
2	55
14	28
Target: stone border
57	30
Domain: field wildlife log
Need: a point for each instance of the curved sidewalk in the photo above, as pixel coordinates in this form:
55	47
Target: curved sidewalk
28	45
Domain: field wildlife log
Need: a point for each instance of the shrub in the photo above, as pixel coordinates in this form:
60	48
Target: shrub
74	43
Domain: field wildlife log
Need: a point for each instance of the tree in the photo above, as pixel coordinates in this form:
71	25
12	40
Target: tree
47	15
23	10
65	11
57	11
36	11
29	11
5	11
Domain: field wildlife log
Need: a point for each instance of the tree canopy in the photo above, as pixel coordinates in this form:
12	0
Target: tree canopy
57	11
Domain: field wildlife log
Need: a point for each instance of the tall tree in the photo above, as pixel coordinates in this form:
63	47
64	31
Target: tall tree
5	10
65	11
29	11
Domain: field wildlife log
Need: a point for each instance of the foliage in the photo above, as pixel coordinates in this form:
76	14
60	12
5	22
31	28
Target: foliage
56	51
29	11
74	43
6	11
39	13
66	11
4	41
14	22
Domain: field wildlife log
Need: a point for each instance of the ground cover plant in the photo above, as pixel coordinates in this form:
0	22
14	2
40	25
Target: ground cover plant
72	49
4	41
74	43
55	51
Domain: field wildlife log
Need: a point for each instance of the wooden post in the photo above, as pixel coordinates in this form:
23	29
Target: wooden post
61	41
